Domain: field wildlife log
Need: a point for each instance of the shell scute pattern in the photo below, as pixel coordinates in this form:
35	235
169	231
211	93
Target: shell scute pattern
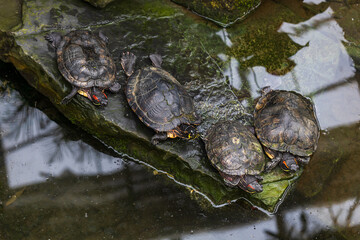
233	149
85	61
285	121
160	101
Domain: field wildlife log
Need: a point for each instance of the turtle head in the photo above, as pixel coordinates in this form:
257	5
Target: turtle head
289	163
250	183
98	97
187	131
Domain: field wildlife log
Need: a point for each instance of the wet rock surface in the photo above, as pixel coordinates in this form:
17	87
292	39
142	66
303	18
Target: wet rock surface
99	3
192	51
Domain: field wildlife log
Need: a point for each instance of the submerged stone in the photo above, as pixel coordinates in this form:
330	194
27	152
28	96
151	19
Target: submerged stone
191	51
222	12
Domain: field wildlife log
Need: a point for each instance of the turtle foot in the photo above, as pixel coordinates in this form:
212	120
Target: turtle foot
115	88
53	38
158	137
65	100
128	63
156	60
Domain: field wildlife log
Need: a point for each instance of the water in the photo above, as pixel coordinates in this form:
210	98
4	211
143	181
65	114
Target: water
58	182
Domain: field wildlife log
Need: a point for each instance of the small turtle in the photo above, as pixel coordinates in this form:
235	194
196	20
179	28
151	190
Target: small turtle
237	154
286	125
159	100
84	61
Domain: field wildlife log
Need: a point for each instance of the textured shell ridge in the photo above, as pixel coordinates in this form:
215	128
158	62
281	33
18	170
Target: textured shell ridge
234	150
285	121
75	66
154	95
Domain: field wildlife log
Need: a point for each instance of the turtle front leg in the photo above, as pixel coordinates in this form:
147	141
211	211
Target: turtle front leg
67	99
274	162
159	137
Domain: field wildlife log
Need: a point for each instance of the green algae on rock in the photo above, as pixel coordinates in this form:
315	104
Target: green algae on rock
99	3
257	42
190	50
222	12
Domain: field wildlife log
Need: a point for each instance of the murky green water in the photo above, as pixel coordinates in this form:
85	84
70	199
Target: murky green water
57	182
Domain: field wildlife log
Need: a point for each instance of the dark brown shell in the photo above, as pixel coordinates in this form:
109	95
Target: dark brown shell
285	121
84	60
159	100
233	149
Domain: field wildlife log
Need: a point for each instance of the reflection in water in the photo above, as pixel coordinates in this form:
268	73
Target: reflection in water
315	1
323	71
37	148
299	223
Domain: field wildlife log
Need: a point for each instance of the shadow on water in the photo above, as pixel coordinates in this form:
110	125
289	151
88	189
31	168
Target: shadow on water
57	179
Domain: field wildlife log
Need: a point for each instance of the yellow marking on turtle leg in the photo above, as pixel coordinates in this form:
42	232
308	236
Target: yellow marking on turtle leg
269	153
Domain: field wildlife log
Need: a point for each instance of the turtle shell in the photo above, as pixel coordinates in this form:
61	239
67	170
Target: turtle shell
234	150
159	100
84	60
285	121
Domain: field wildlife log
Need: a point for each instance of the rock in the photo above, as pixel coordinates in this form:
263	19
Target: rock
99	3
222	12
190	50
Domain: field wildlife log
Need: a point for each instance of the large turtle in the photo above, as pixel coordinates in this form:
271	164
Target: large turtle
286	125
84	60
159	100
237	154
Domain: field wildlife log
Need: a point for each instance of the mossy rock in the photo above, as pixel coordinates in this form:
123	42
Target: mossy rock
99	3
190	50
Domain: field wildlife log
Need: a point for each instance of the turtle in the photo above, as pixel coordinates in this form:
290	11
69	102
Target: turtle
84	60
237	154
159	100
286	125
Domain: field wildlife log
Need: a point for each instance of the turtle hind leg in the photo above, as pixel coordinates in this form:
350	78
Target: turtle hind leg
103	37
156	60
158	137
54	38
67	99
303	160
128	63
115	88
